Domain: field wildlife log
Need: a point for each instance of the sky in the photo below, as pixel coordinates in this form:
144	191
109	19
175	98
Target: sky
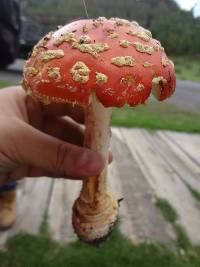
188	4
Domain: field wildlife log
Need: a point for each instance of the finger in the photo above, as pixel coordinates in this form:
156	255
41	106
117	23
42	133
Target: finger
38	172
27	171
34	111
61	109
18	173
65	129
55	156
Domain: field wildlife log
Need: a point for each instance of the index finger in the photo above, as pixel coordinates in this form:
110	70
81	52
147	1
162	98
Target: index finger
63	109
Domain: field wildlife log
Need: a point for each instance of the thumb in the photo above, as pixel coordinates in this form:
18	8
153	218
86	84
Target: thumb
63	159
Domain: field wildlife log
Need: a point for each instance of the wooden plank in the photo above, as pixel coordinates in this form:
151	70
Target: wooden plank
165	181
72	189
144	219
189	143
35	204
55	210
116	133
114	182
185	167
60	209
59	213
32	201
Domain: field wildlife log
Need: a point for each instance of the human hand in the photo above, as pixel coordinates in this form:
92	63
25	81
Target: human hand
37	140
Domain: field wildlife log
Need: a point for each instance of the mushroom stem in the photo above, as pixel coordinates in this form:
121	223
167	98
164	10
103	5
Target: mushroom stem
95	211
97	138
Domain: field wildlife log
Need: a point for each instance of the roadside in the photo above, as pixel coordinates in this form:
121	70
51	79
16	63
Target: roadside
186	96
187	67
13	73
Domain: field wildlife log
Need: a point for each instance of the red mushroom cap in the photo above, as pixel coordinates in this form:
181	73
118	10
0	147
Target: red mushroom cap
116	58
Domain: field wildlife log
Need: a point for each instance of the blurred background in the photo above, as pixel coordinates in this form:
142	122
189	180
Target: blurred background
167	19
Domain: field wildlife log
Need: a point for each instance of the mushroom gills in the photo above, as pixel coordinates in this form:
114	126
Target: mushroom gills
157	85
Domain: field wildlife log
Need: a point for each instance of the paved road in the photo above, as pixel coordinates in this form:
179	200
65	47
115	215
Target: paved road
12	77
186	97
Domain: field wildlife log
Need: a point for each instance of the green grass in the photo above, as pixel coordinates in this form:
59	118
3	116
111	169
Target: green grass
4	83
157	116
167	210
194	193
187	68
26	250
30	251
182	242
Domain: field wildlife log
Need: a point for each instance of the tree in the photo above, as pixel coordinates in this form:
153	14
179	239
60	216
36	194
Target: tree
177	29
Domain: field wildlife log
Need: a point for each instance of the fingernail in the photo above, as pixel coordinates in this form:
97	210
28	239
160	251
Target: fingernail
90	162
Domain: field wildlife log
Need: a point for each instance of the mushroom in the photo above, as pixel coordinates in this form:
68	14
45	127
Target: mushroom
82	63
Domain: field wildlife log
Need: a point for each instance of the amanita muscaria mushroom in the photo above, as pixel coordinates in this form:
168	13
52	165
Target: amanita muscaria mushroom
98	64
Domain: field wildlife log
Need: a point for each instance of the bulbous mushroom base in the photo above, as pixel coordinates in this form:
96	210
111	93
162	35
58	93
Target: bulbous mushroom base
93	222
